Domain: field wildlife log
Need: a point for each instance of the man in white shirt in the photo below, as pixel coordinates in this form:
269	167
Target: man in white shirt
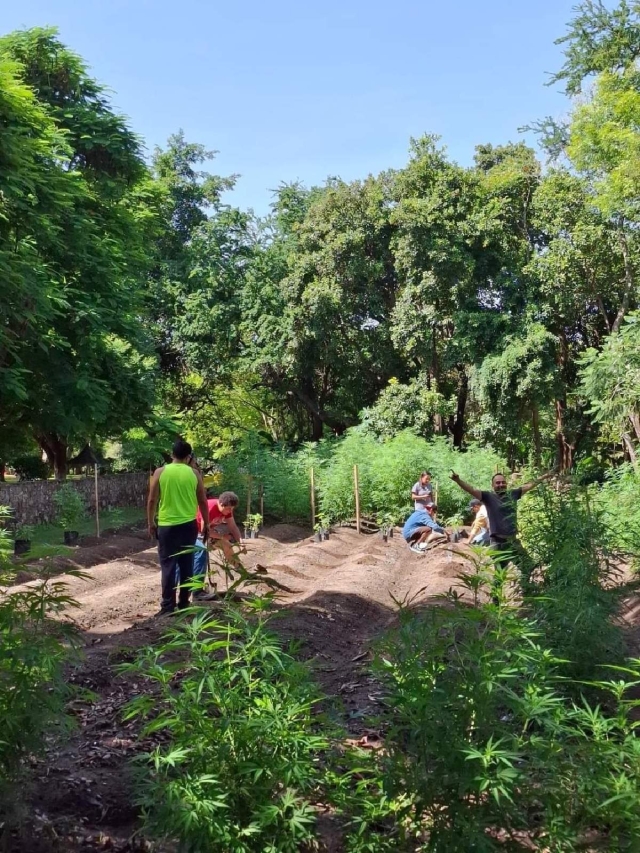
480	532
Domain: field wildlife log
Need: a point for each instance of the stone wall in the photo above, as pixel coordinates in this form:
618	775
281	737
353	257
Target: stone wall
32	502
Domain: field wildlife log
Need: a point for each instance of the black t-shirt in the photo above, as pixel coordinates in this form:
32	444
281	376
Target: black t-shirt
501	510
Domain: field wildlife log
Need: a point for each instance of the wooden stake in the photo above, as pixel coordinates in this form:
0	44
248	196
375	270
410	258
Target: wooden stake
356	489
261	492
435	494
249	495
313	498
97	504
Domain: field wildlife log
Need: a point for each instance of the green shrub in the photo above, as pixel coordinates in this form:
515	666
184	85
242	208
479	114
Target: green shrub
577	589
618	500
242	758
31	467
33	689
387	471
483	747
70	507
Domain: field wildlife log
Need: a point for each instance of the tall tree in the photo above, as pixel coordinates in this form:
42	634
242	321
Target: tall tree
94	354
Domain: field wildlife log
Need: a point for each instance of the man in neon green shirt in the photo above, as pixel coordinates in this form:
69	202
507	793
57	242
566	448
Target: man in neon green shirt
176	492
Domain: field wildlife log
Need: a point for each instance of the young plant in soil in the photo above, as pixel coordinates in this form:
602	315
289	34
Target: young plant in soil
70	512
485	740
22	541
240	757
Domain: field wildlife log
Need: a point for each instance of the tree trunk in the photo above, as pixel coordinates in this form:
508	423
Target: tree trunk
56	449
3	468
630	448
564	449
316	426
457	425
537	443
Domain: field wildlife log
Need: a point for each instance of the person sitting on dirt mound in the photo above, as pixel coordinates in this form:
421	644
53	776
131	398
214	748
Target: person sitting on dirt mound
223	533
421	529
479	533
176	491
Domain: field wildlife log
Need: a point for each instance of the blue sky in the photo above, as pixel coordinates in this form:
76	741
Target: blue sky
289	89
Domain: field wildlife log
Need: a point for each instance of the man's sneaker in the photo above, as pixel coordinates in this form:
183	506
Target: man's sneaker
416	549
166	611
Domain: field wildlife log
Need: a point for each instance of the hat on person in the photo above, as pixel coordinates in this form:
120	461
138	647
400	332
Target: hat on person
474	502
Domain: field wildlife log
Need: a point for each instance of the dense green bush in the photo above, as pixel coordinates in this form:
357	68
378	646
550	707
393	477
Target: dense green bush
33	689
387	471
576	589
618	501
243	757
30	467
70	507
483	748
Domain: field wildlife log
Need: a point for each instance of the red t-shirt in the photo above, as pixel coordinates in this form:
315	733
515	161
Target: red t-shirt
215	514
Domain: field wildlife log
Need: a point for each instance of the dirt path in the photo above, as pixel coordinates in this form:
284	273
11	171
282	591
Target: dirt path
341	598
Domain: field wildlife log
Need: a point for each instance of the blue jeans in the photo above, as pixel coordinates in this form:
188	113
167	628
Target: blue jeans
200	561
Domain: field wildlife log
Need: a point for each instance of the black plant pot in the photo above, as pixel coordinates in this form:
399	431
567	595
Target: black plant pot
385	537
391	533
255	534
21	546
325	536
318	537
71	537
247	533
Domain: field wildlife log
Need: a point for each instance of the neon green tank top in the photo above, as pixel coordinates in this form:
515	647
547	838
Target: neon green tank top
178	501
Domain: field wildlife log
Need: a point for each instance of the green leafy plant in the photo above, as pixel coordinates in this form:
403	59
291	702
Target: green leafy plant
255	522
33	688
30	467
24	531
484	746
241	760
70	507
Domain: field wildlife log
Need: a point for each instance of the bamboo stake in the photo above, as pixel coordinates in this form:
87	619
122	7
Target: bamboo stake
435	493
249	495
357	494
261	492
97	504
313	498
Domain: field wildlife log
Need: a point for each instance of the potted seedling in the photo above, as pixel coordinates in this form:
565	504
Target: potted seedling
22	541
385	523
70	512
255	522
455	523
324	527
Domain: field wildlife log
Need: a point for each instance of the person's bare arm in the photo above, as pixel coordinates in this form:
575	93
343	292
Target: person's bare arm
235	531
152	502
476	493
528	486
201	495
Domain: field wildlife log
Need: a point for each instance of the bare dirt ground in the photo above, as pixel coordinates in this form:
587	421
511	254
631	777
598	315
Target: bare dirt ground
341	598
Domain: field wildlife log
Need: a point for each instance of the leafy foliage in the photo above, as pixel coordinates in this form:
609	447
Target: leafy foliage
242	760
35	647
70	507
483	748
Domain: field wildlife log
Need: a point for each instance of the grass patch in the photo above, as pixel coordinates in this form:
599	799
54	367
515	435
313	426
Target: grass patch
51	534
